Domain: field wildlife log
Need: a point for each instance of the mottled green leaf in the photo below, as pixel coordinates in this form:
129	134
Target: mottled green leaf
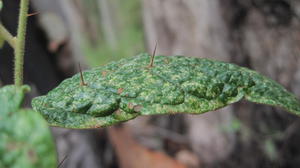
123	90
25	139
11	98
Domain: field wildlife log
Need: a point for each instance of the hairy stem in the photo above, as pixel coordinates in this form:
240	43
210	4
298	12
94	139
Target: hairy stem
20	42
7	36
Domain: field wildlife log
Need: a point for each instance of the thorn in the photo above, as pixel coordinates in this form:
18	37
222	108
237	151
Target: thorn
61	163
32	14
153	55
82	83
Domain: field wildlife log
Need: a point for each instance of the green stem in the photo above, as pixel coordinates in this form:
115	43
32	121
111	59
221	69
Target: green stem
7	36
20	42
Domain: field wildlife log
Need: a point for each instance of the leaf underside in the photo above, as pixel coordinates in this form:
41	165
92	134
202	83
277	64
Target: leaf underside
25	139
123	90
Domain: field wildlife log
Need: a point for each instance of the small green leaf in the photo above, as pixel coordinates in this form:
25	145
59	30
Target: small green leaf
123	90
25	139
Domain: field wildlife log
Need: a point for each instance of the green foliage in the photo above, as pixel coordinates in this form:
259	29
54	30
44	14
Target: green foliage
1	5
25	139
123	90
128	30
11	98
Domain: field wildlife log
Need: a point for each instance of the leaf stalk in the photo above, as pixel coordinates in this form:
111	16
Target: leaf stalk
4	33
20	42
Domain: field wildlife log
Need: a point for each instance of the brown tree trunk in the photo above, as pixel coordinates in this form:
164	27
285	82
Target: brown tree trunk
260	34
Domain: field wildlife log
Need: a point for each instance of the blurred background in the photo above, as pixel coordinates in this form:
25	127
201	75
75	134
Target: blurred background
263	35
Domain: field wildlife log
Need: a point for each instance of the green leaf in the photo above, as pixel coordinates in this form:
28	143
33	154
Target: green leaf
11	98
25	139
123	90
